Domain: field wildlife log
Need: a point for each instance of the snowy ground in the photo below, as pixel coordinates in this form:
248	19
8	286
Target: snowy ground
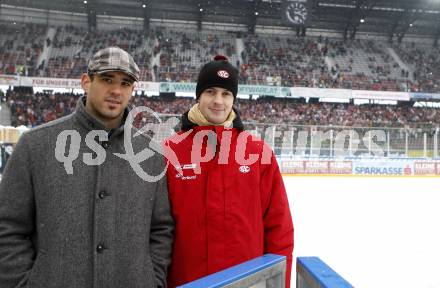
375	232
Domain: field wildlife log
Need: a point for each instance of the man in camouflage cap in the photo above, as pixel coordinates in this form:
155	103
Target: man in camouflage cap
75	214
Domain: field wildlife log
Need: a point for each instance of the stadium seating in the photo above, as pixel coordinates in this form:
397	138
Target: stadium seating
175	55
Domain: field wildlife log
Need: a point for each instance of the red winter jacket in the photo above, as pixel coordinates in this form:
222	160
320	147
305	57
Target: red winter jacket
225	212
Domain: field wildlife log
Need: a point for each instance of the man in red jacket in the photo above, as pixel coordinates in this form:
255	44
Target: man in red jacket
226	191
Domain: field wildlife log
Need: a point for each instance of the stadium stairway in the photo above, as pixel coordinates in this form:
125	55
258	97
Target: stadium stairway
5	115
239	44
44	56
399	61
155	60
330	62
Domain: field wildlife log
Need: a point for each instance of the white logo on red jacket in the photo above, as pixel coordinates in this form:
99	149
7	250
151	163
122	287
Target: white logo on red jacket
244	169
181	177
223	74
187	166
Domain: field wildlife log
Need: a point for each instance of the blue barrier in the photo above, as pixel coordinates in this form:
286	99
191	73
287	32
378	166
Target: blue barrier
313	272
242	271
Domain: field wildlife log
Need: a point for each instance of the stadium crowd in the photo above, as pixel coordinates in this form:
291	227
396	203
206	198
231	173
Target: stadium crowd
34	109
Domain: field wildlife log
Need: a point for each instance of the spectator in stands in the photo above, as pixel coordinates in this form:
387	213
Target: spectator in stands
65	223
203	191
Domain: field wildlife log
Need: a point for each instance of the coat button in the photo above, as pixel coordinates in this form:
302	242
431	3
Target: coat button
106	145
100	248
102	194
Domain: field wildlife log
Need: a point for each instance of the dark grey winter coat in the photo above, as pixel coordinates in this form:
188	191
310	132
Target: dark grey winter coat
102	226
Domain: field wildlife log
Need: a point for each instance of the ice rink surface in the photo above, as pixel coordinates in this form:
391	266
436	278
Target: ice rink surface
376	232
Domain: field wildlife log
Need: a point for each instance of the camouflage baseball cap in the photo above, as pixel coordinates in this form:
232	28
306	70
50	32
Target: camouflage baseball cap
113	59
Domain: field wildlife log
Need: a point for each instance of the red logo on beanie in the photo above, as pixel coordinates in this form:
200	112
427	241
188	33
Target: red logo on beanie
223	74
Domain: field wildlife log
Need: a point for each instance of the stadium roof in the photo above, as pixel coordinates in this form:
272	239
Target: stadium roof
392	17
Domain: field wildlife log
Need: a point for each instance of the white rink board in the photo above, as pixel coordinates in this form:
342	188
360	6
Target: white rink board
376	232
